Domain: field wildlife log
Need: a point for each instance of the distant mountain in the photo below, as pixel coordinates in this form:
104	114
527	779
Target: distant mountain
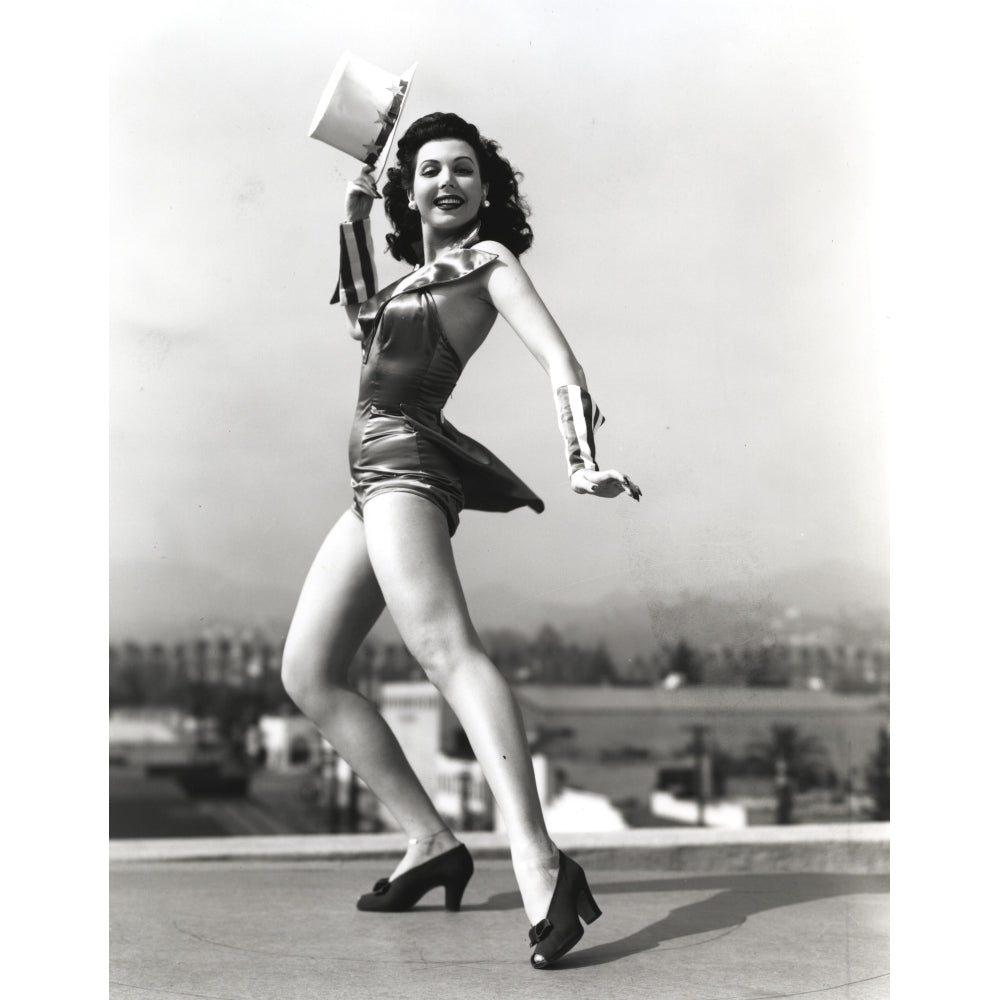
619	620
832	601
826	588
170	601
828	602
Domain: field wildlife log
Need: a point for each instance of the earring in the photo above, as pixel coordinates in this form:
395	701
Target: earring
412	205
486	203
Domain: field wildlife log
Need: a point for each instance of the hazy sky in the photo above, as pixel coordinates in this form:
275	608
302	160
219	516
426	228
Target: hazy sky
699	176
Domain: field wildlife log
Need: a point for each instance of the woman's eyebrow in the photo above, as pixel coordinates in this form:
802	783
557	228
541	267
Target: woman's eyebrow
437	163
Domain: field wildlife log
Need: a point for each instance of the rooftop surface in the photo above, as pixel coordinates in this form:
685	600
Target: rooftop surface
760	913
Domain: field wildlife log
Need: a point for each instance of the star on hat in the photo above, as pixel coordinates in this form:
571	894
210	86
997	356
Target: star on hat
384	118
397	89
373	148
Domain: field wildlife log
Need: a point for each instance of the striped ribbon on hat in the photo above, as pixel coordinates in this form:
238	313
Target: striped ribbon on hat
388	122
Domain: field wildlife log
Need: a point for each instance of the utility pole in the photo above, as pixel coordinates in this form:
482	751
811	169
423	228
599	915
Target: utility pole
464	781
331	790
783	791
702	771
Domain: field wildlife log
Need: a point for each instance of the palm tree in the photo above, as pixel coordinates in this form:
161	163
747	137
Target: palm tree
797	763
877	774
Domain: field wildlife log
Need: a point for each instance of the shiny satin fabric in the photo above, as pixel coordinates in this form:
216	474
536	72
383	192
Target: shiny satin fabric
400	440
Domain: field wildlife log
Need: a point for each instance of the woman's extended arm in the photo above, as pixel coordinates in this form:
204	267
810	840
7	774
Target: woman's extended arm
515	298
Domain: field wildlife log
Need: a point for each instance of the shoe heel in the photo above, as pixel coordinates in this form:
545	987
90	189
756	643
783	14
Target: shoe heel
588	910
453	892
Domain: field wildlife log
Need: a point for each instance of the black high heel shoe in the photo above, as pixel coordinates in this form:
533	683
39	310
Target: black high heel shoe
452	870
561	928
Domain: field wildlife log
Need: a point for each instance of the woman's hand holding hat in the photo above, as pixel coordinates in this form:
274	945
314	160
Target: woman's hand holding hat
604	483
361	195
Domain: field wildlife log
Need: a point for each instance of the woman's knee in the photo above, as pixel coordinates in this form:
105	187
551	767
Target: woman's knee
442	659
297	674
308	679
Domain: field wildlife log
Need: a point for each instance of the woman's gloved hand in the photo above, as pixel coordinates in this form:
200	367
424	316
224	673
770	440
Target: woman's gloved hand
603	483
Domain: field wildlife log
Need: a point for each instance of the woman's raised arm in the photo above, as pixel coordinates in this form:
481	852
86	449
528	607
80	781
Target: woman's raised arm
357	264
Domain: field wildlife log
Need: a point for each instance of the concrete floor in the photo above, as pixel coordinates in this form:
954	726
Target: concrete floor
287	929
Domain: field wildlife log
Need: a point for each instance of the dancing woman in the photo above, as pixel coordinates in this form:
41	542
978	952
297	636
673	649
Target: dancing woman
458	218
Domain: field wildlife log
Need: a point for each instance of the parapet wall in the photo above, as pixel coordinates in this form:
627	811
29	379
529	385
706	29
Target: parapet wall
837	847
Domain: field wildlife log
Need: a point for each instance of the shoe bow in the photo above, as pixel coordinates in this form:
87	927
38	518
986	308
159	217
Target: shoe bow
381	887
540	931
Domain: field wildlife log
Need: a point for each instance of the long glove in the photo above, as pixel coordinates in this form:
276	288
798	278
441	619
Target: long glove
579	417
357	265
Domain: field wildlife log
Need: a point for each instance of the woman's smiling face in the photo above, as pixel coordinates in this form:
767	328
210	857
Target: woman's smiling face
447	186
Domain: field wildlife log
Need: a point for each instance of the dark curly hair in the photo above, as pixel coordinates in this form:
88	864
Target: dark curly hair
505	220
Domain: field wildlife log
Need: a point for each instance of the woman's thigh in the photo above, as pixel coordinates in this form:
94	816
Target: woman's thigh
340	601
410	551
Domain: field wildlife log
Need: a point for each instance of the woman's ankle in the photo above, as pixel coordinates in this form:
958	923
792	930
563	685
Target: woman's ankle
432	844
535	855
428	837
536	872
421	849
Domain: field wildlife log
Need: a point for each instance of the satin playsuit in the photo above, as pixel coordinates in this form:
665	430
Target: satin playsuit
400	440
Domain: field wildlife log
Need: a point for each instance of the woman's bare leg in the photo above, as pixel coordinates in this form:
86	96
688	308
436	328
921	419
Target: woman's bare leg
339	603
411	555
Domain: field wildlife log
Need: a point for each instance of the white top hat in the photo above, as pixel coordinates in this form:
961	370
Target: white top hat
360	108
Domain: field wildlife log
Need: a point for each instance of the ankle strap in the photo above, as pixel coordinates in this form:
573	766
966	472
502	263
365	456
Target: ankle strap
430	836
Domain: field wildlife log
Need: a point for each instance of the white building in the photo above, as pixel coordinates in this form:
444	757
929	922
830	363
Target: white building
414	713
726	815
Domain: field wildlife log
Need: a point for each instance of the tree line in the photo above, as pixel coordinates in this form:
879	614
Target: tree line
206	674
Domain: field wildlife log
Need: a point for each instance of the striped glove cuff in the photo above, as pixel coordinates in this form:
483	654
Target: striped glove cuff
357	264
579	417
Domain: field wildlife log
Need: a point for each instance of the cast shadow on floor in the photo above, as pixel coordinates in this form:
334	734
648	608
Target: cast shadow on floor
737	898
